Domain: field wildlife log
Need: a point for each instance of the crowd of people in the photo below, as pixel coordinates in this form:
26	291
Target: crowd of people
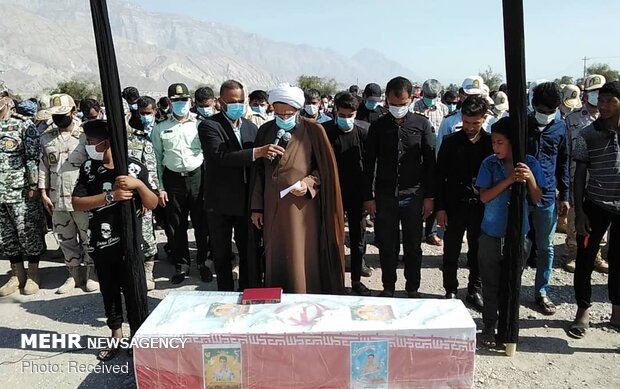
268	179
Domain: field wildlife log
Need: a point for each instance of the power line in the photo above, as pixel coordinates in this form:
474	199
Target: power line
585	60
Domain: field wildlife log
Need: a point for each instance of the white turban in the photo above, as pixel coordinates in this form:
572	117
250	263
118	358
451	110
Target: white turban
287	94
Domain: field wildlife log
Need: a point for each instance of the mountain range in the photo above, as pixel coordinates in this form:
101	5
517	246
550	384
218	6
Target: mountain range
43	42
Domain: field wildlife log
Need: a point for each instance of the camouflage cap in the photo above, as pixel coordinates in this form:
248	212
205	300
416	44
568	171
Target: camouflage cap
61	104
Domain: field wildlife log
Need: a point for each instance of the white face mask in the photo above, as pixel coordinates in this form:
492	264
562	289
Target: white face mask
543	119
399	112
93	153
593	98
311	109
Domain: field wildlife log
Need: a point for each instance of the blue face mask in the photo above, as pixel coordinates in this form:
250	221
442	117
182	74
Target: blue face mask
259	109
205	111
80	115
147	120
451	107
234	110
371	105
133	107
429	102
180	108
345	123
287	124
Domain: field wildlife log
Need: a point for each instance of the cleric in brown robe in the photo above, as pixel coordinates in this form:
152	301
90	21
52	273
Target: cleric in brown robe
303	231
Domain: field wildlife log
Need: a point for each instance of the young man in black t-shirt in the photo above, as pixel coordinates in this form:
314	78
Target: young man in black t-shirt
347	139
99	189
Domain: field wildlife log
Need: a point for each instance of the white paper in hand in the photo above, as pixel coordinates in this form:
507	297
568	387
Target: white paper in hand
288	190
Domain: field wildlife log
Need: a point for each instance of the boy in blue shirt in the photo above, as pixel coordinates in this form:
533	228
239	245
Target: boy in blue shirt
495	178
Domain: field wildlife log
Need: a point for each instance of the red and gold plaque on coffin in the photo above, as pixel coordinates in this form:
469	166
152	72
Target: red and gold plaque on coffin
305	341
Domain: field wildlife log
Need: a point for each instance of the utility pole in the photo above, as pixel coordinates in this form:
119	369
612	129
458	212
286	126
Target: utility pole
585	60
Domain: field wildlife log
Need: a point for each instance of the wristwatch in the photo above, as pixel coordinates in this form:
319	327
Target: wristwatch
109	197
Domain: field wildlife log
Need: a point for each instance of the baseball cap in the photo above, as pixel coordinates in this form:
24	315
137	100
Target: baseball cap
594	82
501	101
431	87
570	97
178	91
372	92
61	104
43	115
472	85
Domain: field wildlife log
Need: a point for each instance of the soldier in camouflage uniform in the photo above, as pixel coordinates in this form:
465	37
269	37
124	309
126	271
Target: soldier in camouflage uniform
140	147
62	155
577	121
22	224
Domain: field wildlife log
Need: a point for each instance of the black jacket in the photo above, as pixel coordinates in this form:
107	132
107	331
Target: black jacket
458	164
370	116
227	163
399	158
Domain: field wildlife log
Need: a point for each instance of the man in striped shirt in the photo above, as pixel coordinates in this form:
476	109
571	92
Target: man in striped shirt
597	203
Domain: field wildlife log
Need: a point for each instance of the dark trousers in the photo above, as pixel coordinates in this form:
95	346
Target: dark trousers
430	226
160	218
221	229
357	237
114	279
465	217
185	199
406	210
600	220
490	257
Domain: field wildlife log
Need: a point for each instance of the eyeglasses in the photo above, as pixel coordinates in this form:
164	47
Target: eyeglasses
285	115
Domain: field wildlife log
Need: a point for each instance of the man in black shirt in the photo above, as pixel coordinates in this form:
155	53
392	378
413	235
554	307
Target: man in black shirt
371	109
457	201
347	140
99	189
399	163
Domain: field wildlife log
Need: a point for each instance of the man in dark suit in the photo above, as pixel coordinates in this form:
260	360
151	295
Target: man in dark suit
228	144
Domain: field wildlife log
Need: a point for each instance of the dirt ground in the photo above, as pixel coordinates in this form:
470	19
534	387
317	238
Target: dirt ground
546	356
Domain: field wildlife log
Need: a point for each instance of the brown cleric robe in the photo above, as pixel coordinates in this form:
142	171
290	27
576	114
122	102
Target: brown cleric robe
303	236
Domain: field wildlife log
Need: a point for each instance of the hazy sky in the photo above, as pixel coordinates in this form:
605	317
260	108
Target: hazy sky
443	39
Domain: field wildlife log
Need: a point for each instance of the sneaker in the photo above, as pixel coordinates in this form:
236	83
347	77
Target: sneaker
569	266
450	296
547	307
360	289
601	265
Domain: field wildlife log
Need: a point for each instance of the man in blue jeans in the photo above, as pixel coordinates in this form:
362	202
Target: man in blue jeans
547	141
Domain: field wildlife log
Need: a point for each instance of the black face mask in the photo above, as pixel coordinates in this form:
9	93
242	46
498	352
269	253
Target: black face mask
62	121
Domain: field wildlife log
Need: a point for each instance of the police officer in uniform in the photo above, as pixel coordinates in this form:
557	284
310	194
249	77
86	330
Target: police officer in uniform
62	154
576	121
22	228
179	169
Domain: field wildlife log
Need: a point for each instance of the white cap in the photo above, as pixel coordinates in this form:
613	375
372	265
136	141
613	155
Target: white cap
594	82
472	85
501	101
570	97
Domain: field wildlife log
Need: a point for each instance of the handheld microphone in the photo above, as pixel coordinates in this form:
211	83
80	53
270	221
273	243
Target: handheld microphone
281	133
